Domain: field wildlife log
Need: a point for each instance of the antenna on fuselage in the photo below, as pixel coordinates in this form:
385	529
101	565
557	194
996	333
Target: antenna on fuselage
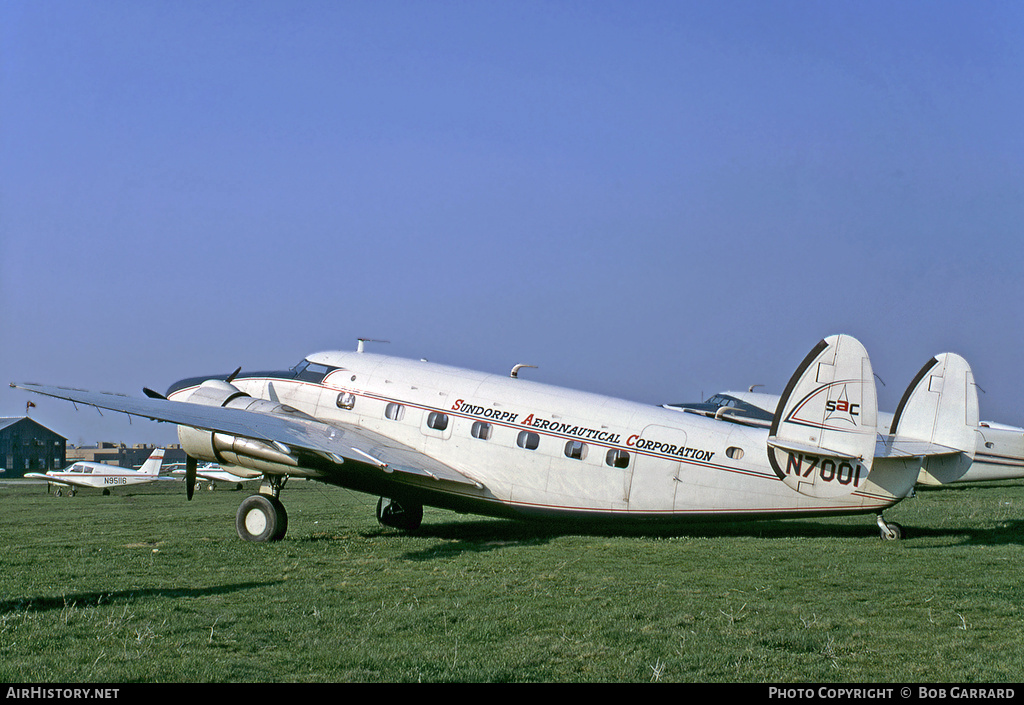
515	370
362	343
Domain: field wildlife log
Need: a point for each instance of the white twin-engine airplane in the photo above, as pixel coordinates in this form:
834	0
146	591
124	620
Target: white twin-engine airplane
417	433
102	476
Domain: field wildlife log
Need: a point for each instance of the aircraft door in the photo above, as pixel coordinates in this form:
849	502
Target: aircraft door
655	468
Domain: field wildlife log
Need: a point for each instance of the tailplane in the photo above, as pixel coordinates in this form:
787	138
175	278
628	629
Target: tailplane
822	438
153	463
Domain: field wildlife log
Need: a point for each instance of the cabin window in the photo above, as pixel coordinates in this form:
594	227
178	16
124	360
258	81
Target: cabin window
395	412
616	458
481	430
437	421
346	400
734	452
577	450
528	440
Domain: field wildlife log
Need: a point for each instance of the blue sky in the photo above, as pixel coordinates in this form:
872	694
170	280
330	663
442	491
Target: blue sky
654	200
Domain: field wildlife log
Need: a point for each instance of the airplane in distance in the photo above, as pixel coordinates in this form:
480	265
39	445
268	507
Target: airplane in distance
416	433
100	475
211	473
999	454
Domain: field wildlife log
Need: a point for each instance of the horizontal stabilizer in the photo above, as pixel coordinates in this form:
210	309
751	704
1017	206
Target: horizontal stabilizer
791	447
889	447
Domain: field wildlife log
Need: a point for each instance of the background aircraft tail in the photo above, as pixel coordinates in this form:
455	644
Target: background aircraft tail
822	437
153	463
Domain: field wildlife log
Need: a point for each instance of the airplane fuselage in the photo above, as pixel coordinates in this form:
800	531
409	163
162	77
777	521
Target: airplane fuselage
104	477
537	449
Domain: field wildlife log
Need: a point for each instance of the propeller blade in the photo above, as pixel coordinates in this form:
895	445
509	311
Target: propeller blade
231	377
190	476
151	394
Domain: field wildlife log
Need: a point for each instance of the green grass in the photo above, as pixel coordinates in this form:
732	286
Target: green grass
142	586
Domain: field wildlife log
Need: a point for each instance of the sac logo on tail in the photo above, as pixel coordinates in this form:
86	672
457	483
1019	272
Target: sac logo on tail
829	469
841	408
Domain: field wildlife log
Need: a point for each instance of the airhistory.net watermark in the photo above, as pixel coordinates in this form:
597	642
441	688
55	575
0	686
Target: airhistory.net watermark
64	693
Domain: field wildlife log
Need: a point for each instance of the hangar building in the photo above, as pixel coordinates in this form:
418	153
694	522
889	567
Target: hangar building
28	446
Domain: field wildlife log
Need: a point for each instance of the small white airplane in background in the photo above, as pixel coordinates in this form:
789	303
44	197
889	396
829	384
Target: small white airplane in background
416	433
102	476
213	473
999	454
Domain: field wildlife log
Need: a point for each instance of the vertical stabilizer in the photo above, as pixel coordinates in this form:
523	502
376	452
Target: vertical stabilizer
940	407
822	438
153	463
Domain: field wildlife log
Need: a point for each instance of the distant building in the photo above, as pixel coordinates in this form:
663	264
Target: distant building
28	446
123	456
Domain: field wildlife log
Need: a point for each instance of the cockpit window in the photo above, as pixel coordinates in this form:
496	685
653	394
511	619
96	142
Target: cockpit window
311	371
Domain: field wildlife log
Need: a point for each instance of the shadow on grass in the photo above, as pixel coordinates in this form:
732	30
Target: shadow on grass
489	535
1006	534
99	598
485	535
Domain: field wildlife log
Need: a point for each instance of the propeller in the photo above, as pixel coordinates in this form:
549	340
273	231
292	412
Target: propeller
151	394
190	476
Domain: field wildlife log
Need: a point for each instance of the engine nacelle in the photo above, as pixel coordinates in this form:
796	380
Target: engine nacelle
215	392
249	456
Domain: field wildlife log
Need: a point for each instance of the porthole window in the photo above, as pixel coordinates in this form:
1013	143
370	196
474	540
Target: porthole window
481	430
734	452
577	450
528	440
395	412
616	458
437	421
346	400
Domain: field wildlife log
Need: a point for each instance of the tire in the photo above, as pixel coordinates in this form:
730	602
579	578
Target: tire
895	532
261	518
397	515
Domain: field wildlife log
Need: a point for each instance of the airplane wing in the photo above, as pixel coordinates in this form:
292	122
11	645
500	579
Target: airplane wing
339	442
63	482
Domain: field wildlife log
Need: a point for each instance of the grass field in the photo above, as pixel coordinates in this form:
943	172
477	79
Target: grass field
142	586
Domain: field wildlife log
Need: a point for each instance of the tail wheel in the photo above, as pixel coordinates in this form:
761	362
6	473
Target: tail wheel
399	515
892	532
261	518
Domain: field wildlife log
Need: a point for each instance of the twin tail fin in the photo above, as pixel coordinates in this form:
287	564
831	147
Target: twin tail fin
824	438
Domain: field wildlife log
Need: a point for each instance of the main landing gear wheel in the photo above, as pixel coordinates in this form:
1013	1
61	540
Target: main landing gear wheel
890	530
397	515
261	518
